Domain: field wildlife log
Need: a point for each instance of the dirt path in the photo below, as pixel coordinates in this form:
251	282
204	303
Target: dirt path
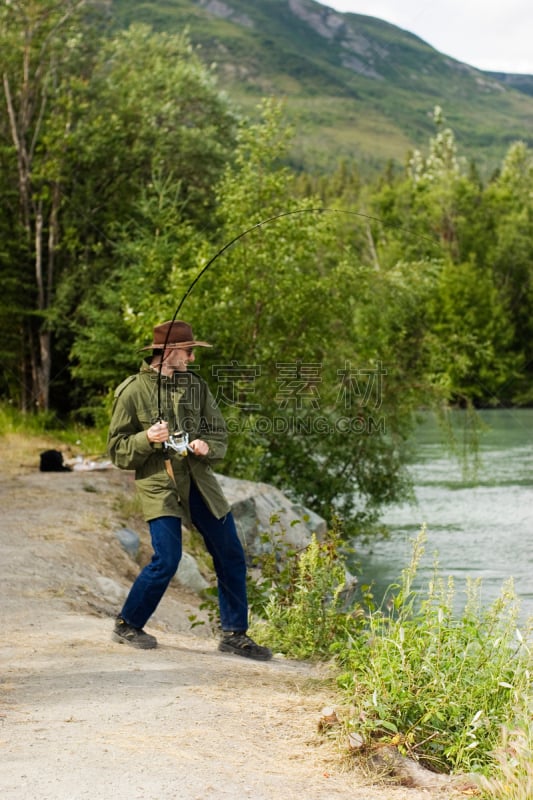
83	717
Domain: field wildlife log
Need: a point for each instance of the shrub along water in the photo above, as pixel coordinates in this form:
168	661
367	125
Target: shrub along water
303	601
441	687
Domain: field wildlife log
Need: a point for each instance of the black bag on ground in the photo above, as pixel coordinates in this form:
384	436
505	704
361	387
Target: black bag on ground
52	461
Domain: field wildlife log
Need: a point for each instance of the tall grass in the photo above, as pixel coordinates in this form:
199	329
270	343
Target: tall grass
512	775
441	686
437	684
300	599
48	427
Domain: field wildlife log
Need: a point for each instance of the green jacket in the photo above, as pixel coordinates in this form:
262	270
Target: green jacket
187	405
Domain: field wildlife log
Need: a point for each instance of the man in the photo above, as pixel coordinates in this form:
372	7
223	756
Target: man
176	482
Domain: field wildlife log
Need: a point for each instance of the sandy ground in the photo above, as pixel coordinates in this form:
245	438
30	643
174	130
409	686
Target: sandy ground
83	717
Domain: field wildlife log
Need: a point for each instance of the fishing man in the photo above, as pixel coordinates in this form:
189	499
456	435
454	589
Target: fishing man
166	426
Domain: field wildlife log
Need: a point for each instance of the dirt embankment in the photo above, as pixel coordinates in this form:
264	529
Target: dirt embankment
83	717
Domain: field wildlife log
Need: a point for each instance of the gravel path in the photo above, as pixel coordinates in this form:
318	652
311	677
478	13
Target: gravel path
83	717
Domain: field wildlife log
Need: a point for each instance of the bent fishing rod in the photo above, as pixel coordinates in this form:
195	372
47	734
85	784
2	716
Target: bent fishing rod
242	234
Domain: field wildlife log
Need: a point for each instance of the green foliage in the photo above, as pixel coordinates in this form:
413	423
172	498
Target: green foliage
436	685
152	264
89	141
331	328
85	440
42	57
296	317
331	69
474	314
507	252
473	335
443	687
300	599
13	421
152	109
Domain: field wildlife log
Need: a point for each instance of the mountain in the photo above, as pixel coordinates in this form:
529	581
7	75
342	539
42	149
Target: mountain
523	83
353	86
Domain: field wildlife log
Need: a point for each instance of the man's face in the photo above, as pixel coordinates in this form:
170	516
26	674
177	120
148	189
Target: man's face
178	359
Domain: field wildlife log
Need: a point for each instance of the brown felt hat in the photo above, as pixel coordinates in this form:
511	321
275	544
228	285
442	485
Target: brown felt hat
172	335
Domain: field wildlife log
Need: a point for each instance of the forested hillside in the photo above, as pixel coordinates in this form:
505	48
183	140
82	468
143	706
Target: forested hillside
353	86
124	169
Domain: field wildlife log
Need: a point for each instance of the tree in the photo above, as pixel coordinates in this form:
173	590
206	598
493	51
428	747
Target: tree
297	366
470	330
320	354
153	261
156	136
39	47
508	254
471	357
90	128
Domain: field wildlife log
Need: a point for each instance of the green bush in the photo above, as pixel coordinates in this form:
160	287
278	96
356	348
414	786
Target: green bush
441	686
301	600
438	685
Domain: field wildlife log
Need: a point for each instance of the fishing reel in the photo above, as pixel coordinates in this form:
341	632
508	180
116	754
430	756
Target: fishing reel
179	442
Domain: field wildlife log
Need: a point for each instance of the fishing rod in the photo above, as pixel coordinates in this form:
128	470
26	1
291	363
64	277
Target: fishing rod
260	224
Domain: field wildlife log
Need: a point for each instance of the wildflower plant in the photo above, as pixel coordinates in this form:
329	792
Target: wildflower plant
452	690
438	685
302	600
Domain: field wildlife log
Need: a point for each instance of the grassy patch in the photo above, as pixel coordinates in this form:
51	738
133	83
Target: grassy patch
48	431
441	687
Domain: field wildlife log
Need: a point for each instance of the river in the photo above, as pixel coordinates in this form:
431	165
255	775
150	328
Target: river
477	526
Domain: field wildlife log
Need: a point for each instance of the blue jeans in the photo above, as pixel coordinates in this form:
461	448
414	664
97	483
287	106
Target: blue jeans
223	544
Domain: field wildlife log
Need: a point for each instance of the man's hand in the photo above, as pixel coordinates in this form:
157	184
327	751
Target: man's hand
199	447
158	432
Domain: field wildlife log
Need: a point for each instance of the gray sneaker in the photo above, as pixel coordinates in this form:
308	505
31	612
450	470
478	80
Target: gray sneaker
240	644
135	637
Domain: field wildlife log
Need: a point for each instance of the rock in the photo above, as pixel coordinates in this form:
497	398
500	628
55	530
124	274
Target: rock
355	741
189	576
328	718
261	509
129	540
387	761
110	590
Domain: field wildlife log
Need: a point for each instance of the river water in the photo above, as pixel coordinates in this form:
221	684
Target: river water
478	526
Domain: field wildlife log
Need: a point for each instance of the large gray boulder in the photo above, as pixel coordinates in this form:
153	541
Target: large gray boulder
266	517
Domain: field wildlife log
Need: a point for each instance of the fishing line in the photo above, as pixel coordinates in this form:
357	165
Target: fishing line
240	235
